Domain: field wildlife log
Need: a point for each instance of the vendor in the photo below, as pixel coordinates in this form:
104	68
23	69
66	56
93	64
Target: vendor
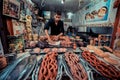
56	26
69	31
73	32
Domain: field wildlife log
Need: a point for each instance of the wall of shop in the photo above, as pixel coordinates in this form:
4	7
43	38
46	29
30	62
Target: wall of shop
12	22
100	30
78	18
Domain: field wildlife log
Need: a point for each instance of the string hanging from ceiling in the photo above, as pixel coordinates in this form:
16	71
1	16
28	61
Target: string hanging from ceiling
43	3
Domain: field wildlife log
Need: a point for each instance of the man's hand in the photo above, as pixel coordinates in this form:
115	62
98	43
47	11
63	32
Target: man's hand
60	35
50	41
56	37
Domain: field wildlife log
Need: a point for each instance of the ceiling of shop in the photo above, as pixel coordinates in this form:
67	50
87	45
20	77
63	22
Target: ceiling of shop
68	6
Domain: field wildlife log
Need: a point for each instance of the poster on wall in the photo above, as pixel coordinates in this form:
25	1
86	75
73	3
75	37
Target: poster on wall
18	27
22	10
47	14
1	48
11	8
16	44
99	12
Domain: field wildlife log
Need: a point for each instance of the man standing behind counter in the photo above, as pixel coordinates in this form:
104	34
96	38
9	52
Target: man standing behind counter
56	26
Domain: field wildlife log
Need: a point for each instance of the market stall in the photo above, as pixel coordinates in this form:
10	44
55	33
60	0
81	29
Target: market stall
66	61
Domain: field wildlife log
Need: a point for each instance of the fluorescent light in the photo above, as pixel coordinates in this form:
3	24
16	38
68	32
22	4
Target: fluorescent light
69	14
62	1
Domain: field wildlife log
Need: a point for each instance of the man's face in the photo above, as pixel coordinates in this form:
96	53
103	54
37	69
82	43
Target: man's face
88	16
102	12
36	11
57	17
